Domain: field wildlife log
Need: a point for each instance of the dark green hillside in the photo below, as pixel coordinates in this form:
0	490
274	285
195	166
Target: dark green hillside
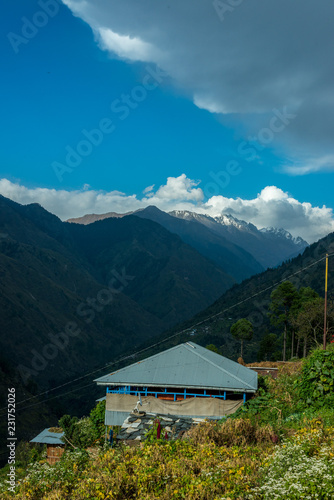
55	274
120	282
73	298
251	300
170	280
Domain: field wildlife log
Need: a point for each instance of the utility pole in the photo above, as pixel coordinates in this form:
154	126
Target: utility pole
325	315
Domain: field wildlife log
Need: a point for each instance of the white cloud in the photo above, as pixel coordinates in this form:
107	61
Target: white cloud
126	47
255	57
274	208
323	163
179	189
148	189
271	208
271	193
209	104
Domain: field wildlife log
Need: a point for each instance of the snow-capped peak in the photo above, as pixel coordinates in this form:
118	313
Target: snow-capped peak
283	233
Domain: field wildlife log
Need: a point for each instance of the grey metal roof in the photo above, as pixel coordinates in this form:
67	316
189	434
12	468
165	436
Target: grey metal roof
185	365
47	437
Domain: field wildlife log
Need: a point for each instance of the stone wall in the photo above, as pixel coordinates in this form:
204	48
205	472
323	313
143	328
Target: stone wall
136	426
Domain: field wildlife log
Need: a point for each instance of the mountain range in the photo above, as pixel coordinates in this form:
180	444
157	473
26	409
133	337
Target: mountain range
238	247
120	281
74	297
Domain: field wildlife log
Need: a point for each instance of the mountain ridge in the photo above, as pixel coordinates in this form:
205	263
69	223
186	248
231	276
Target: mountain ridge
121	281
268	246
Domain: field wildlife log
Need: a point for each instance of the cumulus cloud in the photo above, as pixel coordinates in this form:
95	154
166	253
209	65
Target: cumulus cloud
244	59
179	189
271	208
274	208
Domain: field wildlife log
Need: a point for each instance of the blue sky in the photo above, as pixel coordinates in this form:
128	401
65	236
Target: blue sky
66	77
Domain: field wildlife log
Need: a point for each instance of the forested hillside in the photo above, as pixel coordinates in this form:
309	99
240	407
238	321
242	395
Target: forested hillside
252	299
73	298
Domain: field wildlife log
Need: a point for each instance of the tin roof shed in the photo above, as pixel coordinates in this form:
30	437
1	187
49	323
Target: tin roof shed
47	437
188	366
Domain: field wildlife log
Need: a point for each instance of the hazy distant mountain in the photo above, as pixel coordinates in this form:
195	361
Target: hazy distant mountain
90	218
269	246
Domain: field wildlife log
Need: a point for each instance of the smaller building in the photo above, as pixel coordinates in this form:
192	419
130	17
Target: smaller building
55	445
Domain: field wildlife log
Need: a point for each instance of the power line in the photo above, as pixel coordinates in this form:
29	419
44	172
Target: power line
54	397
124	358
256	294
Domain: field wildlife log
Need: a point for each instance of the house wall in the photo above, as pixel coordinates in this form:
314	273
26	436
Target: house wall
54	453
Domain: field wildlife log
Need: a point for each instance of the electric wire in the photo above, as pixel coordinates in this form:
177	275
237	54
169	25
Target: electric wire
133	355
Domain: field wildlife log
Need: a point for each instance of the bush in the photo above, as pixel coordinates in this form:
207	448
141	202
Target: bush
232	432
43	478
96	418
316	384
27	453
88	430
78	433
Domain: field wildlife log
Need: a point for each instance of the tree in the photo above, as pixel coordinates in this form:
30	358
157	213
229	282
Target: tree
305	295
242	330
282	299
268	347
213	348
309	322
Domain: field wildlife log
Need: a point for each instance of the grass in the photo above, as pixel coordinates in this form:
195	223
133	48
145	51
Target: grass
276	447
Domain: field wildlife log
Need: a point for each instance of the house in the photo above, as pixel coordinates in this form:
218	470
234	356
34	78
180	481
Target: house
55	446
186	380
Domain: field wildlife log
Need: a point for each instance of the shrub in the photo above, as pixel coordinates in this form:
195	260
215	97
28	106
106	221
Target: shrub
276	399
42	478
232	432
78	433
96	418
316	384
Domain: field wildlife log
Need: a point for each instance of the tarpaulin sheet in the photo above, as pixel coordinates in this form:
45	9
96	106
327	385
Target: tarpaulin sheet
194	407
